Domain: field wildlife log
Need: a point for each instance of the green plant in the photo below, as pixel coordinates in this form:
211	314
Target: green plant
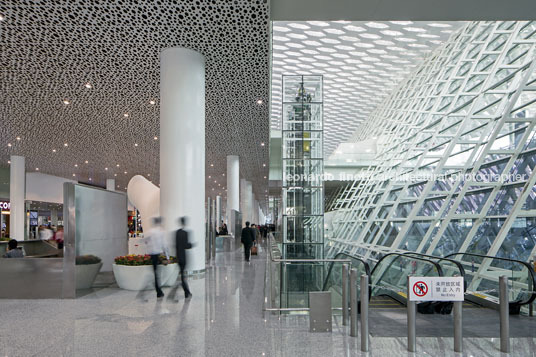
5	239
135	260
87	259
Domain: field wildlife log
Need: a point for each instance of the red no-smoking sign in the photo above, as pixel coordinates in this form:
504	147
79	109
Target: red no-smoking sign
420	288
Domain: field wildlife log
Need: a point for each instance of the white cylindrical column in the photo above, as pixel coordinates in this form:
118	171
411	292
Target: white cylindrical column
243	200
218	212
110	184
182	147
17	191
249	201
233	189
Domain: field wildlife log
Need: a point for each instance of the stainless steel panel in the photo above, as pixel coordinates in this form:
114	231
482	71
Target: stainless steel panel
320	311
31	278
69	233
101	224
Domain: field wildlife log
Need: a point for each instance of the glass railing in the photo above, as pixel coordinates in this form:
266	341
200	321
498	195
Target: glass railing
482	278
390	274
333	281
449	267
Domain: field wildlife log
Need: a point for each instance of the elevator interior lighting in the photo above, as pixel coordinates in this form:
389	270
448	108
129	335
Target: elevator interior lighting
66	102
88	85
152	102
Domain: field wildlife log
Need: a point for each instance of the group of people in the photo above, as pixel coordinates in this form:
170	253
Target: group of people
249	237
156	245
51	233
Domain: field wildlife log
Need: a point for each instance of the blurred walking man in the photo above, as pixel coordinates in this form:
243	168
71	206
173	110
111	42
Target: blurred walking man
156	245
181	240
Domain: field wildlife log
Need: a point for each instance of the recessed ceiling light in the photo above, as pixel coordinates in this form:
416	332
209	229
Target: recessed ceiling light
88	85
211	165
117	165
65	144
115	174
2	18
90	179
264	176
74	174
53	150
86	162
9	161
149	175
263	165
262	144
106	168
125	172
66	102
215	181
18	138
75	165
152	102
155	138
136	144
125	115
37	169
209	176
9	145
223	174
259	101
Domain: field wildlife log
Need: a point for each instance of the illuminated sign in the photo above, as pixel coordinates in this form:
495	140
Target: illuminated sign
4	205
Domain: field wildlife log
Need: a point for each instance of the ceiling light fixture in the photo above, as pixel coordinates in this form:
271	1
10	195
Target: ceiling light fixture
9	161
88	85
9	145
75	165
37	169
152	102
125	115
74	175
18	138
136	144
263	165
259	101
155	138
106	169
65	144
86	162
53	150
125	172
262	144
66	102
117	165
2	17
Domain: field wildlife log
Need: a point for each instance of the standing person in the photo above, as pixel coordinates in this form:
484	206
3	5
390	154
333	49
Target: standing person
247	238
181	240
256	231
156	245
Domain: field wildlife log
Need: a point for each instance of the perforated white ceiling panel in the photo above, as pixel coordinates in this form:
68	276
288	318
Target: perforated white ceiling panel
361	63
79	85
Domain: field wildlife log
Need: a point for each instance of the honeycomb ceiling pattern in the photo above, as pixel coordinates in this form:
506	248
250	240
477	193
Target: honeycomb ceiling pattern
361	63
79	85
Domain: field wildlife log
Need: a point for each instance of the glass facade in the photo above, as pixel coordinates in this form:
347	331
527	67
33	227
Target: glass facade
456	153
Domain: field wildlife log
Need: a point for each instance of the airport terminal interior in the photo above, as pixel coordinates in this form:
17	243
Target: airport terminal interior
267	178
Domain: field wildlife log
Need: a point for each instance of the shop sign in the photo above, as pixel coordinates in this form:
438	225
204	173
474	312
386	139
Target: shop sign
4	205
444	288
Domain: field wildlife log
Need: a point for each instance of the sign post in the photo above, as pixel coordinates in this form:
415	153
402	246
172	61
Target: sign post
441	288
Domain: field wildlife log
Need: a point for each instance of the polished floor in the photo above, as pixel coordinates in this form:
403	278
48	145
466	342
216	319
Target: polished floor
224	318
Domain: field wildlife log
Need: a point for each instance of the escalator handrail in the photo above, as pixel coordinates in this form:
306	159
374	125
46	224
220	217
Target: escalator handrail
437	266
527	265
455	262
365	264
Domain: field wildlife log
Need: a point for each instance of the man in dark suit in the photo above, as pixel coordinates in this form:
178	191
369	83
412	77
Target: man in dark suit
247	238
181	241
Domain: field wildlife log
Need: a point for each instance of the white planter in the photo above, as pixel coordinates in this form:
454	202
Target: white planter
86	274
141	277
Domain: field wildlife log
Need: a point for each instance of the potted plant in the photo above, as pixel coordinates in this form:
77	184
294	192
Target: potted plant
135	272
87	268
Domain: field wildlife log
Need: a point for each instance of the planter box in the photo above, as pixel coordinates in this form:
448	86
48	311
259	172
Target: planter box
86	274
141	277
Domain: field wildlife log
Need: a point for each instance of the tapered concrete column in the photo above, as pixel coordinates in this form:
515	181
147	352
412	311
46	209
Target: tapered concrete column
54	217
17	191
182	147
233	188
110	184
256	211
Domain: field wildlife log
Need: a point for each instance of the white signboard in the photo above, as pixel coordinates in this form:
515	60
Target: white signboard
435	288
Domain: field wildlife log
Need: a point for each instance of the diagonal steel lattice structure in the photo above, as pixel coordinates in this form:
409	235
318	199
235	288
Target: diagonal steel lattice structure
455	169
